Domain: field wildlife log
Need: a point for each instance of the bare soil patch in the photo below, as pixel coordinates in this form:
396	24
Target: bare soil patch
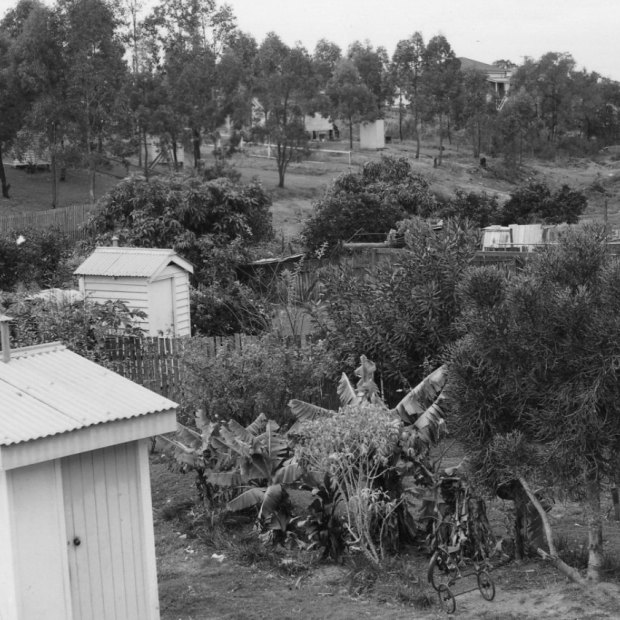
206	577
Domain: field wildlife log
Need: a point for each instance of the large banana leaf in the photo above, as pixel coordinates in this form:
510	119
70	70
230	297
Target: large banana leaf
346	393
288	474
247	499
225	478
423	395
271	500
307	411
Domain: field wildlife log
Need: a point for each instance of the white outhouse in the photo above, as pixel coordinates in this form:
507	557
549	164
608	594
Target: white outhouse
155	281
76	525
372	134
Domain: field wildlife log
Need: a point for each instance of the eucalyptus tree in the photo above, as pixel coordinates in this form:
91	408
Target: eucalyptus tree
441	83
94	71
349	98
286	89
191	36
373	67
406	69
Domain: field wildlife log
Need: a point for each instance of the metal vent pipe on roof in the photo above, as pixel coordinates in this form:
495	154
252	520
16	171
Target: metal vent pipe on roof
5	339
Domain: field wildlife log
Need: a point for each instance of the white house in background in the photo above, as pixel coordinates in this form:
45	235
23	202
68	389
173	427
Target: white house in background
155	281
497	77
76	525
372	134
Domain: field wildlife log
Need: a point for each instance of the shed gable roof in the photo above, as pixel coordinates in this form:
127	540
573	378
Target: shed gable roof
130	262
46	390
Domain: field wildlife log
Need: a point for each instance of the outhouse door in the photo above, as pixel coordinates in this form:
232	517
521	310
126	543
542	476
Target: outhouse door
105	534
161	317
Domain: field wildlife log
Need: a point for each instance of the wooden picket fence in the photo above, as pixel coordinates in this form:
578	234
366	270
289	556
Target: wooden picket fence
69	220
156	363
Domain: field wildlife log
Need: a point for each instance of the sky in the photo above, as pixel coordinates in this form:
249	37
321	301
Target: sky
480	29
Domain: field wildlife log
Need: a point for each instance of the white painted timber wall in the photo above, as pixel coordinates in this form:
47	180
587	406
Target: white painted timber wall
180	287
81	538
132	291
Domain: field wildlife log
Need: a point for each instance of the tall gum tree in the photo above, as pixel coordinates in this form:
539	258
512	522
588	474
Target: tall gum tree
286	89
95	73
441	83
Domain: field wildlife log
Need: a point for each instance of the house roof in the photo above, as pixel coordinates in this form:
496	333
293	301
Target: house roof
130	262
47	390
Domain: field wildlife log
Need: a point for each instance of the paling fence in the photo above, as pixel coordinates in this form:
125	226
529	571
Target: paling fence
68	220
155	362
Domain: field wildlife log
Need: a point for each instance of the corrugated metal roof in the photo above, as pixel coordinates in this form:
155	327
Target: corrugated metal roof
47	389
130	262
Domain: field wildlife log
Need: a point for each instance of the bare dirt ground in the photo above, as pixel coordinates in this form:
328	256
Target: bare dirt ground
205	576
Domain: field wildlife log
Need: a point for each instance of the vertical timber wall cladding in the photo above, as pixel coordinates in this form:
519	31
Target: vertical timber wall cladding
105	531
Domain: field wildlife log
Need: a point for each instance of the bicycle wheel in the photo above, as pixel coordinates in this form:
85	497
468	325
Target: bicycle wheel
486	585
446	599
439	571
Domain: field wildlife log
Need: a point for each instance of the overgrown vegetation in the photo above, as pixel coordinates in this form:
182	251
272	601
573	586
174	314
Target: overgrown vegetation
403	314
534	378
365	206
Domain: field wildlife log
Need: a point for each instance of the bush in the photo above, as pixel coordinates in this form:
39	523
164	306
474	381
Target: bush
224	309
480	209
368	204
39	260
536	203
81	326
166	210
401	314
261	377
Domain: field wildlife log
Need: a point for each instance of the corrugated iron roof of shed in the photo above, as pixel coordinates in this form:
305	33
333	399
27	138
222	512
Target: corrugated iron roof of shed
46	390
130	262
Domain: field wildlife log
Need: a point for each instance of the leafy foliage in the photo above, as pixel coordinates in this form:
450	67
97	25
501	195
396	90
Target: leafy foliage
81	326
259	378
536	203
368	204
533	379
481	209
401	314
163	211
39	260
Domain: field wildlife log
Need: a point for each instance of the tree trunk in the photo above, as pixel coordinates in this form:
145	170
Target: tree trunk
5	186
595	530
281	159
569	571
350	134
615	500
146	155
196	147
174	154
418	129
54	184
440	159
400	117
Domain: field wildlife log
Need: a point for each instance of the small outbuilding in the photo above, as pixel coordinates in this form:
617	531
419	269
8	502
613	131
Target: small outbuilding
76	525
372	134
155	281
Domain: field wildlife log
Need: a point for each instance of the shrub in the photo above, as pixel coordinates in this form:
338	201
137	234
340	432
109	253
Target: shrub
400	314
536	203
368	204
261	377
480	209
222	309
81	326
39	260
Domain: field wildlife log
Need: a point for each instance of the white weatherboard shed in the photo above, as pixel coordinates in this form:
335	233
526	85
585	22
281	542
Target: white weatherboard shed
372	134
155	281
76	525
